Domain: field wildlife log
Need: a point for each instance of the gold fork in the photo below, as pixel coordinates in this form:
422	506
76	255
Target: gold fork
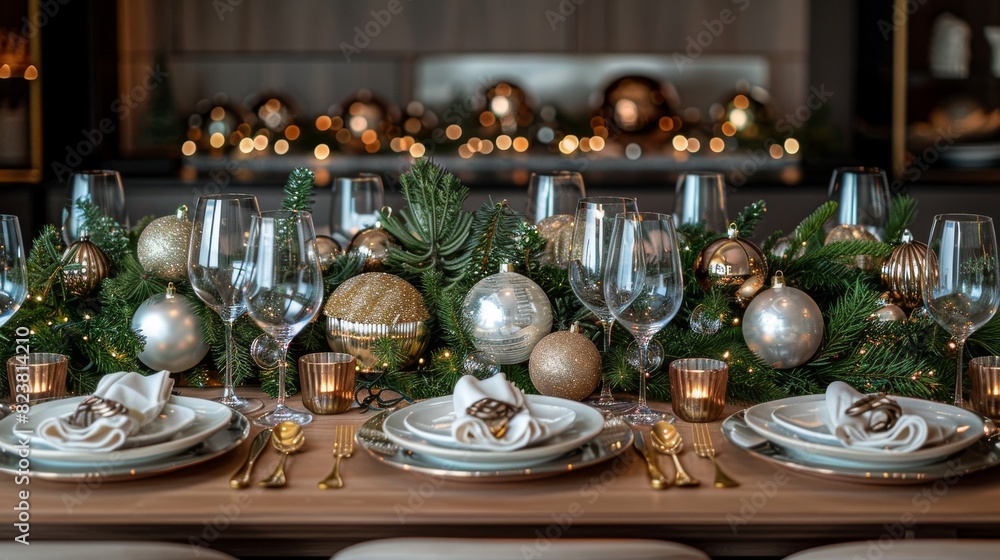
343	446
704	448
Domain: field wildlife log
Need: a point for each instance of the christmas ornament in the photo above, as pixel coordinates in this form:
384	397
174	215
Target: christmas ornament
480	364
565	364
902	272
376	305
509	314
783	325
557	231
850	232
85	267
373	244
782	245
174	338
328	250
729	263
704	322
265	351
889	312
163	245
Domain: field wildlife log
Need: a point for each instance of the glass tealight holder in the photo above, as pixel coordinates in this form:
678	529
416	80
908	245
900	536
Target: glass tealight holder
36	376
327	380
984	372
698	388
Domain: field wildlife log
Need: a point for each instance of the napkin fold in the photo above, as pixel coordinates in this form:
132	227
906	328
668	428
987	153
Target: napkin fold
144	397
523	428
910	433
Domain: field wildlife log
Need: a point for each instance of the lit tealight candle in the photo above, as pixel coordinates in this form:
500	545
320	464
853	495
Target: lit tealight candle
698	386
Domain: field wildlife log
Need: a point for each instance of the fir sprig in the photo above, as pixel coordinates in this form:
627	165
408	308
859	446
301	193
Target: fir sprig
299	190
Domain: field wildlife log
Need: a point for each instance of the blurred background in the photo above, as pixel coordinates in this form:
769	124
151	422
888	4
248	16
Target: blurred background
191	97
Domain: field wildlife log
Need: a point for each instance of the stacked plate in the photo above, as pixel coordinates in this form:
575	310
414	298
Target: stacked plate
794	433
188	431
419	438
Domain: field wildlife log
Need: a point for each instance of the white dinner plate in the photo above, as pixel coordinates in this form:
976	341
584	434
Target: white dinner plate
172	419
588	423
210	417
968	427
434	421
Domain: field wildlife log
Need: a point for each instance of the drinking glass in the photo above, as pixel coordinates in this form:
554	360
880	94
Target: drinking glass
215	268
595	218
643	288
961	278
355	205
13	271
863	197
284	289
103	188
553	193
701	197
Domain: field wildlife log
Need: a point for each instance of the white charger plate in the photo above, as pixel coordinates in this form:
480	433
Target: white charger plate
968	428
588	423
434	422
210	417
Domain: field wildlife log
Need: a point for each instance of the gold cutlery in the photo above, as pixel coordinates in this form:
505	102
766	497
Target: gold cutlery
656	478
287	438
343	446
241	479
667	440
703	447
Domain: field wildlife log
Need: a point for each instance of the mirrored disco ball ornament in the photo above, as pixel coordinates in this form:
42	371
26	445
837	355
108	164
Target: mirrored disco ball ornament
509	315
480	364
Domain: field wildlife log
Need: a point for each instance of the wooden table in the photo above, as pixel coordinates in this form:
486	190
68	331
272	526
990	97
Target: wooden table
773	513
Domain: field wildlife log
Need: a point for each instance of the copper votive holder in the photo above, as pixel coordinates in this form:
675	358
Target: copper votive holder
698	388
327	380
984	372
36	376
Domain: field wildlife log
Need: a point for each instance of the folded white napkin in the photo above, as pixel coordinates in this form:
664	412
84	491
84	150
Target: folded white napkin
910	433
523	428
143	396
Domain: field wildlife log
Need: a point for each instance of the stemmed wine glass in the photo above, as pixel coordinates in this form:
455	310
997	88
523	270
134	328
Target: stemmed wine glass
13	272
961	281
863	199
215	265
644	288
284	289
355	205
102	187
595	218
553	193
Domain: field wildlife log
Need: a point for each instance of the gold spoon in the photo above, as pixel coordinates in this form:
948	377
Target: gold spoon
287	438
667	440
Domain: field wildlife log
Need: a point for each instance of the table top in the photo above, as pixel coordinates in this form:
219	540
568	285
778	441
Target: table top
774	511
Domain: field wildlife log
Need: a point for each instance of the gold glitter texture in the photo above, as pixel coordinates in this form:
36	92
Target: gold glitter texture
565	364
163	246
376	297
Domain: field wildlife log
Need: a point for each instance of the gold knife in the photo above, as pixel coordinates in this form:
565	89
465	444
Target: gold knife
242	477
656	478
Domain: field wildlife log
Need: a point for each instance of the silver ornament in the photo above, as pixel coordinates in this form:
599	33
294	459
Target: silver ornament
565	364
328	250
783	325
890	312
557	231
163	246
373	245
703	322
481	365
509	315
174	339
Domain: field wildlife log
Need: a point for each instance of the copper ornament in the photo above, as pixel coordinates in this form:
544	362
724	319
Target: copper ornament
902	272
728	263
85	267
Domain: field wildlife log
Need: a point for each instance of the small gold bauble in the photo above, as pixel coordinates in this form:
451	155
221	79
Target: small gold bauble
328	250
728	263
889	312
902	272
373	244
565	364
86	266
163	246
557	231
376	305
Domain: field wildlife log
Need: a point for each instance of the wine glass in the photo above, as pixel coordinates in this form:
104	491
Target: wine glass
102	187
284	289
355	205
643	288
701	197
215	264
863	198
553	193
13	272
961	282
588	256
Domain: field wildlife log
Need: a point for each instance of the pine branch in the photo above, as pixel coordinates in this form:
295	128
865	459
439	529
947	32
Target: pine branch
299	190
747	220
902	212
109	236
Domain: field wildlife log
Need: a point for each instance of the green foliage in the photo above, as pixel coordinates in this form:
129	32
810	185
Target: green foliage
299	190
902	212
747	221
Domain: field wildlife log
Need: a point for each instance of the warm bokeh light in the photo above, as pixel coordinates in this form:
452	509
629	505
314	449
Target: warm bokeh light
601	132
585	144
739	118
373	147
260	142
569	144
217	114
717	144
31	73
791	146
188	148
336	123
693	145
417	150
412	125
4	71
464	151
520	144
487	118
728	129
474	144
246	145
503	142
741	101
343	135
322	151
281	147
776	151
486	147
217	140
453	132
357	124
596	143
369	136
666	124
292	132
323	123
680	143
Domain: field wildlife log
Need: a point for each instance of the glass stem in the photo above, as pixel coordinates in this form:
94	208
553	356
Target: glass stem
959	347
605	388
281	376
228	392
643	350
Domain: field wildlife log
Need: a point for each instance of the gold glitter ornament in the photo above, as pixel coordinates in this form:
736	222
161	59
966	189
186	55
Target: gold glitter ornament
163	246
376	305
903	271
86	266
732	264
565	364
557	231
